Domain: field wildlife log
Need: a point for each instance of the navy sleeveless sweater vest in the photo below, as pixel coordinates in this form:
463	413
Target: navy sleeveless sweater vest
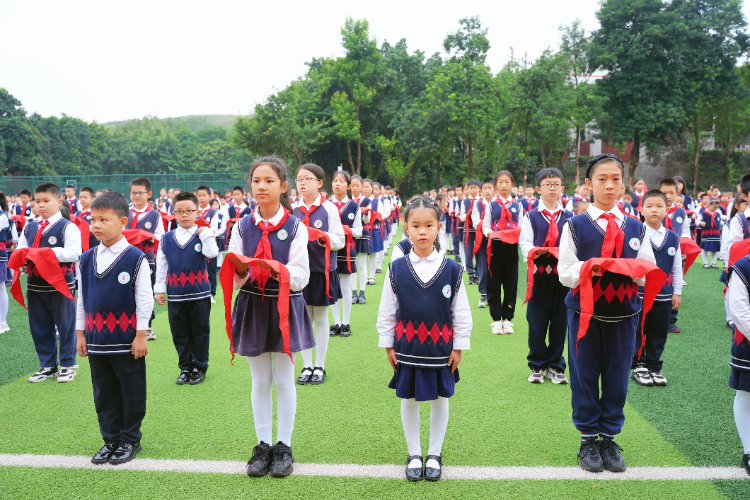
424	332
348	212
365	203
678	218
405	245
53	238
497	211
545	270
529	205
187	268
281	242
740	346
6	235
318	220
109	302
148	223
665	255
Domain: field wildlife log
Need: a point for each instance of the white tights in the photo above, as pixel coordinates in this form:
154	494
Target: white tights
381	256
704	255
742	417
269	369
372	262
361	271
346	300
438	426
3	303
319	315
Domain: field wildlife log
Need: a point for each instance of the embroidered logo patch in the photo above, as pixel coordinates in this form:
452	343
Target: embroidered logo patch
198	247
513	209
447	291
123	278
671	251
148	225
52	240
635	243
351	216
318	224
282	234
679	220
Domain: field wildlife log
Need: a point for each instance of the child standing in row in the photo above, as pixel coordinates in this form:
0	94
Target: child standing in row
323	288
212	217
8	238
541	229
362	243
424	291
710	223
467	208
477	218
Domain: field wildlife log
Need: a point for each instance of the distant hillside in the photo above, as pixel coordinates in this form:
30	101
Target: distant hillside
193	122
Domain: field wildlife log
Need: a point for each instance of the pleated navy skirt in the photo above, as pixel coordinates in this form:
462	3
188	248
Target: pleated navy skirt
315	291
362	245
376	242
739	380
423	384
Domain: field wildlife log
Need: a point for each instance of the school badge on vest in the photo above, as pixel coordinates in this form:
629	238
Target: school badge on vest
513	209
123	278
52	240
679	220
351	216
198	247
671	251
635	243
148	225
447	291
318	224
282	234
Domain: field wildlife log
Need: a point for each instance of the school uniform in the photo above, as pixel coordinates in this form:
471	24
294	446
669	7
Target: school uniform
467	205
711	232
502	214
424	315
448	226
529	204
241	210
666	248
402	248
739	305
73	204
477	218
349	215
86	215
8	235
211	215
48	307
221	237
255	318
677	220
362	242
455	224
605	352
182	273
24	210
115	300
323	216
546	311
147	220
570	207
460	227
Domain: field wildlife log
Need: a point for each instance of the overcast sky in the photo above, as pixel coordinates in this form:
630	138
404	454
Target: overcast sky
107	61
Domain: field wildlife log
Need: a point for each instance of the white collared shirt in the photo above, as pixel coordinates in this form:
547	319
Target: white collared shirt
182	235
356	223
144	296
657	238
463	212
298	265
425	268
475	212
569	267
487	220
71	249
735	230
739	304
212	221
335	231
526	238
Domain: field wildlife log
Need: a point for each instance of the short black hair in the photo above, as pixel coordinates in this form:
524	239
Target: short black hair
547	173
667	181
238	188
651	194
70	186
488	180
88	190
112	201
449	188
50	188
744	183
473	182
141	181
183	196
203	188
26	192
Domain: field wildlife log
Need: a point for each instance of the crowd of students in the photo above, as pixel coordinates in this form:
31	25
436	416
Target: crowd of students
604	271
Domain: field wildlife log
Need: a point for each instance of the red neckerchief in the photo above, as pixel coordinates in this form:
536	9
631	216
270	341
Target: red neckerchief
506	219
263	250
668	219
713	220
84	214
468	222
204	212
136	213
613	237
553	231
38	238
309	211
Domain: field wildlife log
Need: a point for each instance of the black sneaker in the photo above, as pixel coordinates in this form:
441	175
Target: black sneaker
746	463
458	258
730	325
641	376
305	376
611	456
659	379
346	331
44	374
589	458
335	330
103	455
260	464
282	460
184	377
197	376
361	298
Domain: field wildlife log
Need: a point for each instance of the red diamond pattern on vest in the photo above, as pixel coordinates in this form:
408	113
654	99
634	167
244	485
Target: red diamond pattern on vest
99	322
422	333
447	333
183	279
435	333
409	331
399	330
609	293
124	321
111	322
191	278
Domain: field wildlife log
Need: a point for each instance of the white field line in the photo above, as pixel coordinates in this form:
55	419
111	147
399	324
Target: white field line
383	471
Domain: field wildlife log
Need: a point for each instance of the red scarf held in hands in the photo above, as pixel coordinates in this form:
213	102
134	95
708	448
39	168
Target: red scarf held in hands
468	222
226	278
690	250
349	246
45	261
20	219
509	236
137	236
553	250
634	268
263	250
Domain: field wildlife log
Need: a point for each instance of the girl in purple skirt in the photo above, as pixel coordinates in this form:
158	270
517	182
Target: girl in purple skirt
270	232
424	322
323	290
710	223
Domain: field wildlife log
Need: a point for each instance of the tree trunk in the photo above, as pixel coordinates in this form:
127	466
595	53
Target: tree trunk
635	157
578	163
696	160
544	163
471	158
525	147
349	154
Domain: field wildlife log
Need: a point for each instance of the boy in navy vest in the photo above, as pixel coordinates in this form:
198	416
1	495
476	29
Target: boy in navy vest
182	271
210	216
666	247
676	220
143	216
467	206
86	198
238	208
24	208
477	218
529	201
605	352
541	228
47	306
114	305
71	201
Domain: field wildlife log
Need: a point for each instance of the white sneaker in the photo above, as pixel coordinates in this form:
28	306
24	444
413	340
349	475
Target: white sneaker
213	300
67	374
497	328
150	335
555	376
507	326
4	327
44	374
536	377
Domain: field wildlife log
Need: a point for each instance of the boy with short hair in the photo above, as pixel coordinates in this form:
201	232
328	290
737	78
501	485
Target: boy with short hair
86	198
210	216
143	216
183	253
70	199
47	306
114	305
677	220
665	244
546	313
24	208
470	230
529	201
238	207
477	218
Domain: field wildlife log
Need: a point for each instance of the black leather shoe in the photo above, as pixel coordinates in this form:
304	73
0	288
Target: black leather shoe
102	456
335	330
378	270
611	456
589	458
260	464
197	377
282	460
430	473
184	377
346	331
413	474
305	376
318	379
361	298
125	452
746	463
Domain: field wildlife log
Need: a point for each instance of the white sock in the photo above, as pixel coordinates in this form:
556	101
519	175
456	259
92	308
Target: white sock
219	260
742	417
381	255
410	421
319	314
713	257
260	396
362	270
372	262
438	426
3	303
336	310
704	256
286	396
461	253
346	292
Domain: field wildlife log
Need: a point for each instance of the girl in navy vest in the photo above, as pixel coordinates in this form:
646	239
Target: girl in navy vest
272	232
323	288
465	215
362	243
424	322
710	223
376	229
605	352
458	242
546	312
8	237
384	209
665	244
351	217
502	283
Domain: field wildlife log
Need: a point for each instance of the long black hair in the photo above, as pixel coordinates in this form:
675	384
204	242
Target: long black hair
347	177
282	170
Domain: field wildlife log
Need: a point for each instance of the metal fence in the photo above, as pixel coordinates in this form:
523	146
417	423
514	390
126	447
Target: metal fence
11	185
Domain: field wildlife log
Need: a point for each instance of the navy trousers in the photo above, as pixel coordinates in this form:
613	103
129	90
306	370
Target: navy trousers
655	329
468	250
603	354
47	310
547	315
481	257
503	277
191	330
212	268
119	382
455	236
